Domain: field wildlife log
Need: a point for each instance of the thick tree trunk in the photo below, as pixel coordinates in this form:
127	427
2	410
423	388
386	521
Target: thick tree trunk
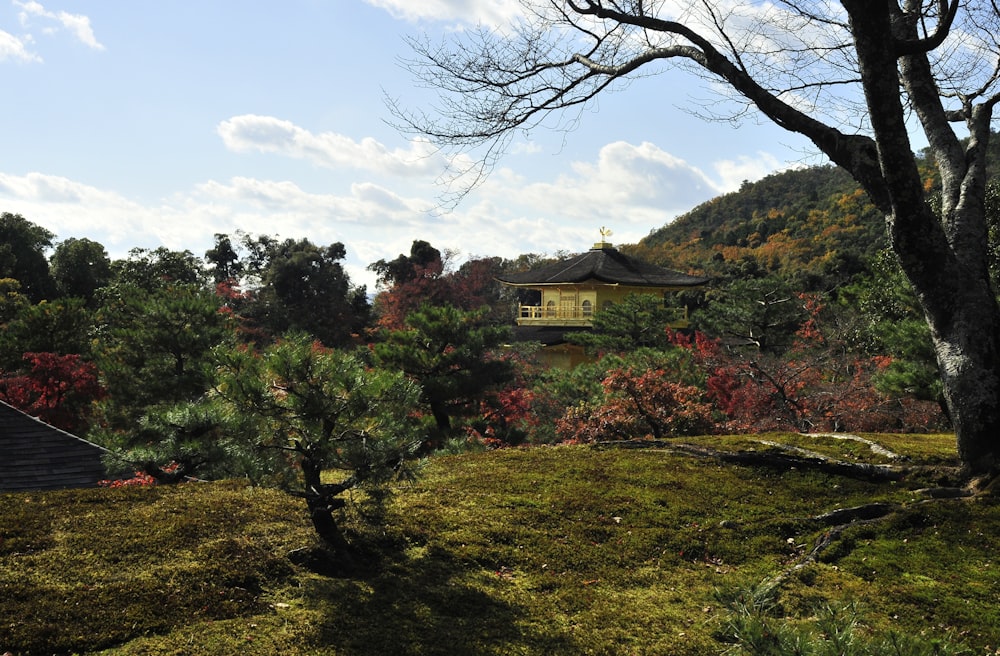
321	500
441	417
967	354
944	256
321	514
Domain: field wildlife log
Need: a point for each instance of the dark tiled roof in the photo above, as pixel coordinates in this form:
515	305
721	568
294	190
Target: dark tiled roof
36	456
605	265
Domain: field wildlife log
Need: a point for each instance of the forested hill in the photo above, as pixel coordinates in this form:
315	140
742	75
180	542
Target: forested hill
813	224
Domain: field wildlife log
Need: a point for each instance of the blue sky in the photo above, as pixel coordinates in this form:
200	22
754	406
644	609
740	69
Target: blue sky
161	123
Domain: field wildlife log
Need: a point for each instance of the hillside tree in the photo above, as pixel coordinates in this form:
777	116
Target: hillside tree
58	389
22	255
451	354
848	76
640	320
79	268
313	421
60	326
151	269
153	348
408	282
428	277
292	285
12	301
762	312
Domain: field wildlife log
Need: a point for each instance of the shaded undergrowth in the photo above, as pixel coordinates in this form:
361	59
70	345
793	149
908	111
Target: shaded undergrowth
558	550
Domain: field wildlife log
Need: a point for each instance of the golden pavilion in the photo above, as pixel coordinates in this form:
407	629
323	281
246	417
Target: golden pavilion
573	290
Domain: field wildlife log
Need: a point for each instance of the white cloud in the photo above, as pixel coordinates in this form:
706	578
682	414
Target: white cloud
524	148
42	188
471	12
189	219
77	24
74	209
12	47
372	221
627	185
365	203
266	134
734	173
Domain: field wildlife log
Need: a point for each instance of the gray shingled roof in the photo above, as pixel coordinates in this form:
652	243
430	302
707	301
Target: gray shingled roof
36	456
605	265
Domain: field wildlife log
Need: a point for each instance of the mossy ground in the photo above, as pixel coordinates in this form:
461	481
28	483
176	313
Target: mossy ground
547	550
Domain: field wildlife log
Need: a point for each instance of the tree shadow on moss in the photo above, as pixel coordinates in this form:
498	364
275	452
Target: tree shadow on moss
428	606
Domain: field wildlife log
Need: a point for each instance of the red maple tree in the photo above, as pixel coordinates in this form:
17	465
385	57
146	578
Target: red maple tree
58	389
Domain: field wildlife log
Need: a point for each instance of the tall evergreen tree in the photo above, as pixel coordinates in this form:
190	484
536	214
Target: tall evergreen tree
154	348
313	421
640	320
451	354
79	268
22	255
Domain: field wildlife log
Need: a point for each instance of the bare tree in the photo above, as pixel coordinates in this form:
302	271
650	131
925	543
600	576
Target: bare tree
847	75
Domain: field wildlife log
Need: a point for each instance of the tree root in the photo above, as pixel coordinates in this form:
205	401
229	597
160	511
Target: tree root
946	492
948	484
876	448
849	516
839	521
776	458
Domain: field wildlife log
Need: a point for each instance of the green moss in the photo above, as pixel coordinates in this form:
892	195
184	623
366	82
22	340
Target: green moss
131	562
561	550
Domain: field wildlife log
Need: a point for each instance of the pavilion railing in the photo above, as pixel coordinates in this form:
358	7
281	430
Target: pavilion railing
576	315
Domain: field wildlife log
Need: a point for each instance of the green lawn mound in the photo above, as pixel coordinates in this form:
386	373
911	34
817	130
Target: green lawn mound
549	550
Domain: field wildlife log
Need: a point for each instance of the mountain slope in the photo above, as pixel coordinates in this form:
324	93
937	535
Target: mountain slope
813	223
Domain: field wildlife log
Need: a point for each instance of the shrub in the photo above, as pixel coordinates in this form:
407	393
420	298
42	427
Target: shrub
754	627
638	404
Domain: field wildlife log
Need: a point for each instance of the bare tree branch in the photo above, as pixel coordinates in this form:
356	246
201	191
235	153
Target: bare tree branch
846	75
